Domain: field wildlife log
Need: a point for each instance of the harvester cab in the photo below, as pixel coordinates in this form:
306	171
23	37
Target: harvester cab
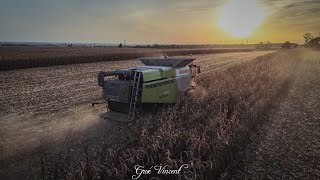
160	81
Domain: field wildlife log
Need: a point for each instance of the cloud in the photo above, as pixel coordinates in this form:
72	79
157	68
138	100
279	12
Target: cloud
146	20
302	15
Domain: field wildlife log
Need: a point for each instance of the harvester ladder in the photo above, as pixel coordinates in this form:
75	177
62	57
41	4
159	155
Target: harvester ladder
134	95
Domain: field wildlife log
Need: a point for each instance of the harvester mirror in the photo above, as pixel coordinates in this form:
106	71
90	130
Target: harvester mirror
101	76
194	70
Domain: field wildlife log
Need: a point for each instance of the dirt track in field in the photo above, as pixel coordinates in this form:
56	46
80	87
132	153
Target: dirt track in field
43	106
288	145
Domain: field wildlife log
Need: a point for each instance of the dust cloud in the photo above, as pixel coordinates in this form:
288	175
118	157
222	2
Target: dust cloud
26	133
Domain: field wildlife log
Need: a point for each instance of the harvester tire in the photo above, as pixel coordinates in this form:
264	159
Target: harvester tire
118	106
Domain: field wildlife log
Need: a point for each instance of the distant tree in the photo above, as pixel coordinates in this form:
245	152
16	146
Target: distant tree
172	46
307	37
156	46
264	46
260	45
286	45
268	45
313	43
120	45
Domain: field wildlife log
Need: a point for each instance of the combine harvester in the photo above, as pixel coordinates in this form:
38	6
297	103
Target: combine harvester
160	81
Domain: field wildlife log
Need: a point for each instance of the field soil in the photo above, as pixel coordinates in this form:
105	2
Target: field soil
287	146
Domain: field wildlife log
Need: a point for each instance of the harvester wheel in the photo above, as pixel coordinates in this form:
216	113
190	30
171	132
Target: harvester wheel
118	106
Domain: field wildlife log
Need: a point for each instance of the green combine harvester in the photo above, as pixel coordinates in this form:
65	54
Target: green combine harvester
160	81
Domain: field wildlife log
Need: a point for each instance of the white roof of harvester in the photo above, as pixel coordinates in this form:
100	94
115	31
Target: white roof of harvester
153	67
167	61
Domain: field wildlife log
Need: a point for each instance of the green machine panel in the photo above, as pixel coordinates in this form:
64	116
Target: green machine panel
155	74
163	91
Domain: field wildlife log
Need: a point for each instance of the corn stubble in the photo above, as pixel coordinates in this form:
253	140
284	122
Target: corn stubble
203	130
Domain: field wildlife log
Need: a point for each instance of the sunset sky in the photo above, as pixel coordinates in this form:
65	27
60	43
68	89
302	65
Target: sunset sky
158	21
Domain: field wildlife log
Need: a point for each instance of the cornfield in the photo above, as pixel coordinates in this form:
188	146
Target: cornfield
19	58
204	130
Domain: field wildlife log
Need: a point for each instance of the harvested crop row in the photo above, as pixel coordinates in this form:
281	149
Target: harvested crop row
203	130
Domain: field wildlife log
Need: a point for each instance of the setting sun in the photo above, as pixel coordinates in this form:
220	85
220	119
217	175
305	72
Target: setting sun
241	18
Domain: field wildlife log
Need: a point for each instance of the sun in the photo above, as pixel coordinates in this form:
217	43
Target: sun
240	18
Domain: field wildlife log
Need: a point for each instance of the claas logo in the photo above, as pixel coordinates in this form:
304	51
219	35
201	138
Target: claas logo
184	71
